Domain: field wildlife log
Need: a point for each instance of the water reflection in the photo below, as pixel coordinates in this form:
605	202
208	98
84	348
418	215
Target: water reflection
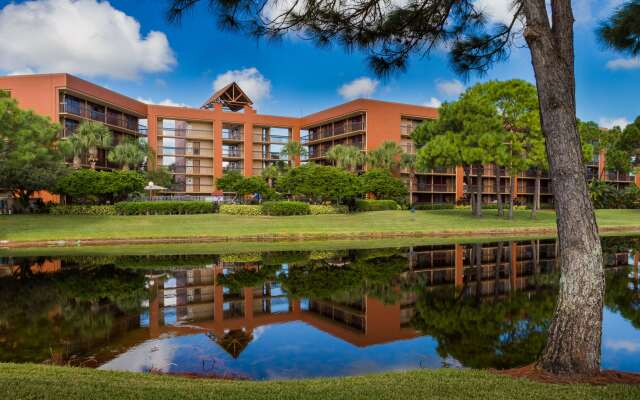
305	313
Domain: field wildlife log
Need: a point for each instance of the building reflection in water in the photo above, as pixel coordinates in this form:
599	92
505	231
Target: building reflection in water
363	297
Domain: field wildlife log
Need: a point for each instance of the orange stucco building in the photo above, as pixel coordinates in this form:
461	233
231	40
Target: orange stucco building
227	133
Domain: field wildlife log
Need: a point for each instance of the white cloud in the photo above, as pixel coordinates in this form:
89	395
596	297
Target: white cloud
496	11
624	63
24	71
452	88
165	102
250	80
87	37
433	102
611	122
360	87
626	345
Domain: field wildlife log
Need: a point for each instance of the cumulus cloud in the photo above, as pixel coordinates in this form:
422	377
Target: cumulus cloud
497	11
626	345
609	123
250	80
433	102
624	63
165	102
87	37
452	88
360	87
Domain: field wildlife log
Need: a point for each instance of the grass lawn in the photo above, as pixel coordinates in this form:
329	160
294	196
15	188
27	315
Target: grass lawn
44	382
53	227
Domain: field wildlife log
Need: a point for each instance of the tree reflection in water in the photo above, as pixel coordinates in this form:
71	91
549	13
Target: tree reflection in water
486	305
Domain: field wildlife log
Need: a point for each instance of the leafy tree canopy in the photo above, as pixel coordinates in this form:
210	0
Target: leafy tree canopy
622	30
29	156
87	185
384	185
320	183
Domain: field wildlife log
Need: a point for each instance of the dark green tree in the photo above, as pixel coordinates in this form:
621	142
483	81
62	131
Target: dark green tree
319	183
622	30
384	186
30	159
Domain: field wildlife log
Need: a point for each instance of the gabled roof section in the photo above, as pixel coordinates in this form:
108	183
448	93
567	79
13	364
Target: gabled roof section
230	96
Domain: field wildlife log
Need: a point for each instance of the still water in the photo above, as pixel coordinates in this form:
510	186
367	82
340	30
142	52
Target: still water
299	314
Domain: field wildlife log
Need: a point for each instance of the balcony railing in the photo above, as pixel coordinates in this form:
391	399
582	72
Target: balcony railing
82	110
232	153
435	187
234	135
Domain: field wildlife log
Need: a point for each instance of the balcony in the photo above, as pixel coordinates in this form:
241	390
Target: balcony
232	153
117	120
435	187
615	176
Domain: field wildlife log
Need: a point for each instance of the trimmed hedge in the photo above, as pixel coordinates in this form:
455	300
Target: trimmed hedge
165	207
433	206
327	209
61	209
376	205
240	209
281	208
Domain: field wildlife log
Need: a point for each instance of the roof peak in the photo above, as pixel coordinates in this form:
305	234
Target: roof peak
230	96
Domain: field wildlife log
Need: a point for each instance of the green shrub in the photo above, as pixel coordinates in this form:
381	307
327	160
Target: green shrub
327	209
433	206
165	207
384	185
240	209
376	205
61	209
285	208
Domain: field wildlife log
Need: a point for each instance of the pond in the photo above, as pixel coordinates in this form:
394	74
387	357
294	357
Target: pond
300	314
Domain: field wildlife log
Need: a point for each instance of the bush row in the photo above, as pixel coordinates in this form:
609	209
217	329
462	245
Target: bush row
61	209
165	207
282	208
376	205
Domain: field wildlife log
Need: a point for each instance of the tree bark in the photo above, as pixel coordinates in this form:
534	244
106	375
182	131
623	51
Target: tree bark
574	337
499	191
470	191
478	211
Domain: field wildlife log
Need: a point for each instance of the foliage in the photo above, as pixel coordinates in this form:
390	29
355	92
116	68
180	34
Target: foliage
88	185
160	176
605	195
319	183
235	182
240	209
622	30
285	208
29	156
386	156
86	139
165	207
293	150
384	185
60	209
130	153
346	157
376	205
324	209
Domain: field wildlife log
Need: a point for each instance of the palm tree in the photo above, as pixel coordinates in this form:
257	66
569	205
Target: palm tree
386	156
408	162
129	153
293	150
270	173
346	157
87	138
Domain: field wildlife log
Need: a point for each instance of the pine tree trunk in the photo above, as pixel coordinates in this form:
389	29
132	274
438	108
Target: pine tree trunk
412	176
470	191
478	212
574	337
499	191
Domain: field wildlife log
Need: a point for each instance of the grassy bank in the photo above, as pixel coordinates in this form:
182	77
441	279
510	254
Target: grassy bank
52	227
42	382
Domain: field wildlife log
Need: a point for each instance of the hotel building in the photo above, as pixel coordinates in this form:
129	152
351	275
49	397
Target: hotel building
226	133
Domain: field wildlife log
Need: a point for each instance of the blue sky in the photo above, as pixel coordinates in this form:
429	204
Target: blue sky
129	47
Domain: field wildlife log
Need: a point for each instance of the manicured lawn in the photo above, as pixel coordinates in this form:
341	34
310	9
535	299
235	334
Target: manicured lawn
52	227
42	382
